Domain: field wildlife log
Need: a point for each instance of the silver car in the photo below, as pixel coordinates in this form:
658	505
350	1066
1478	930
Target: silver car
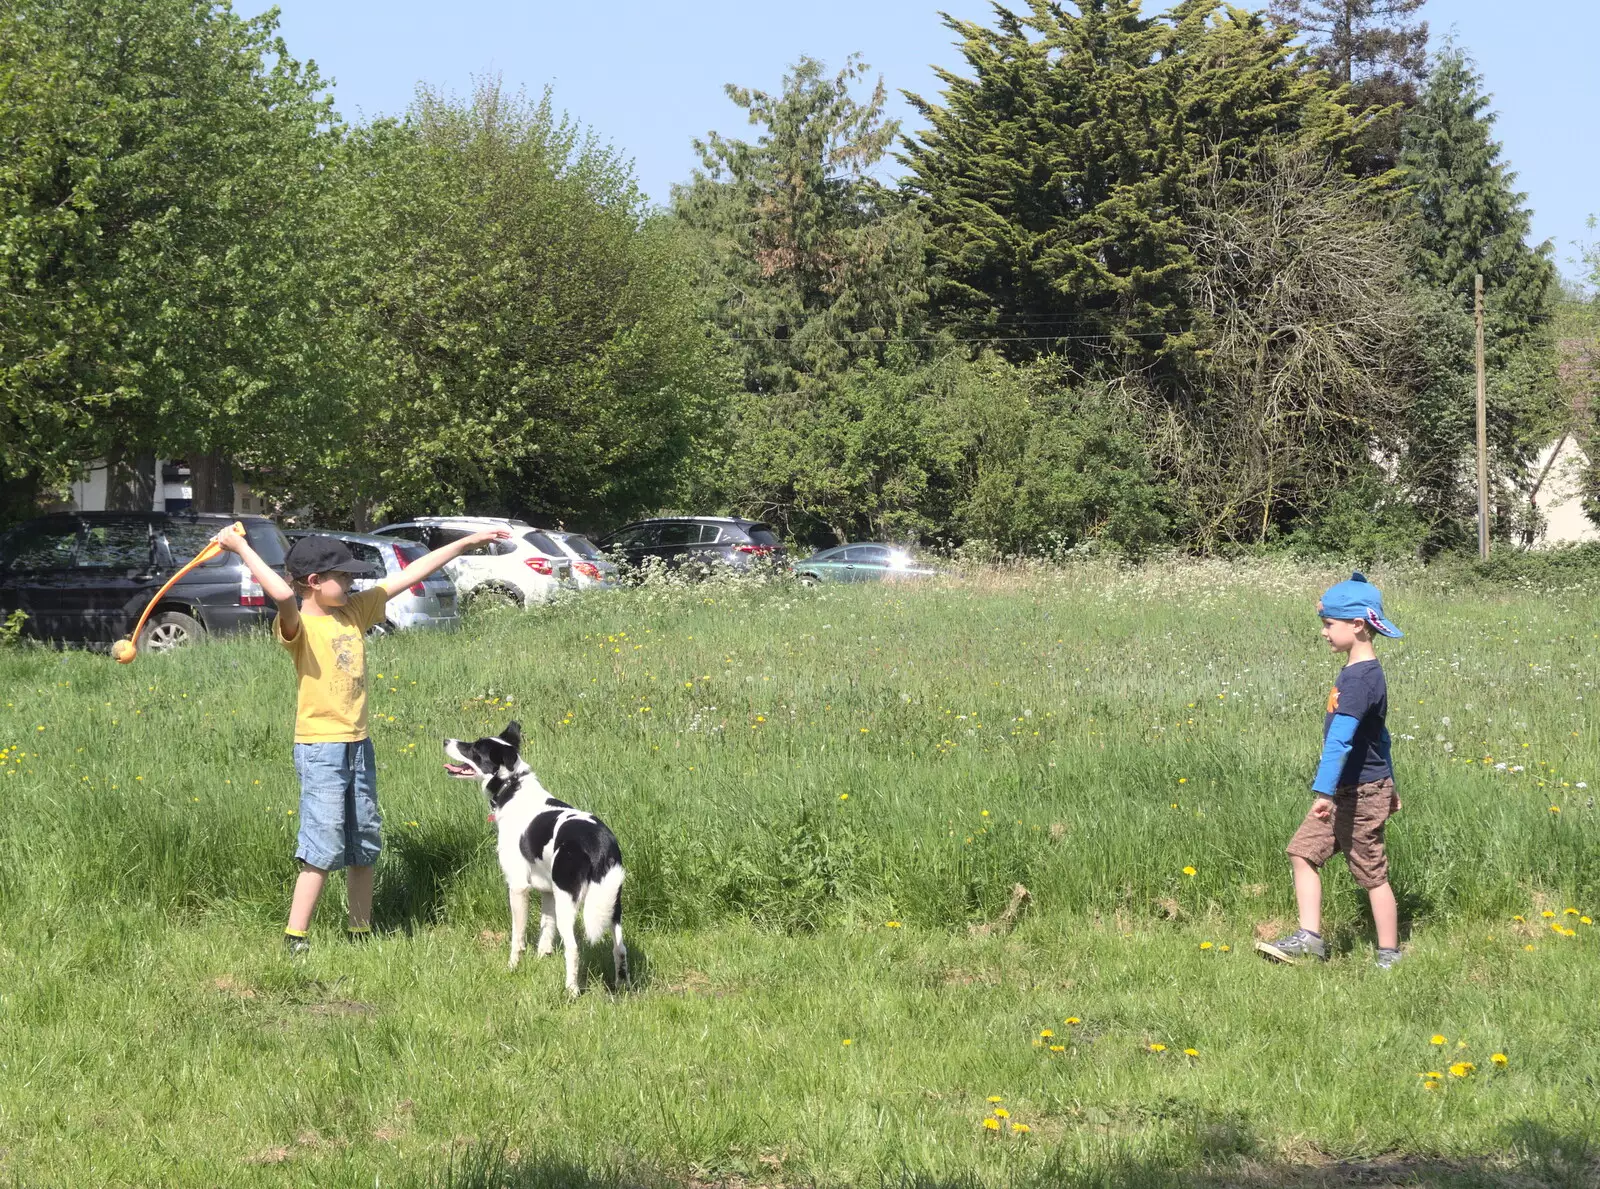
430	603
591	569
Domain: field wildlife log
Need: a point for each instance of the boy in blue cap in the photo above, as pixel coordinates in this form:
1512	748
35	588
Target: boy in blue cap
1354	782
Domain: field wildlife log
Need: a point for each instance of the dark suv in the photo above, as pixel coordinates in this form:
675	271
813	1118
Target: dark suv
697	543
85	577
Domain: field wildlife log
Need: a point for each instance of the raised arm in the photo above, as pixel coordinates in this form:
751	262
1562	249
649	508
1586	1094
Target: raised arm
430	563
272	582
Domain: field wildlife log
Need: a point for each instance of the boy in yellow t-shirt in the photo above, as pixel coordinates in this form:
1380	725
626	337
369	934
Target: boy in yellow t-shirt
324	627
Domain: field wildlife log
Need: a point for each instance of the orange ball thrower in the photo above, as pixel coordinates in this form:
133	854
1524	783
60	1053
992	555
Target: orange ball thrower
125	650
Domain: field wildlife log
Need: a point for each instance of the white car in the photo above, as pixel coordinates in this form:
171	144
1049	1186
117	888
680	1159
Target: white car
591	569
518	570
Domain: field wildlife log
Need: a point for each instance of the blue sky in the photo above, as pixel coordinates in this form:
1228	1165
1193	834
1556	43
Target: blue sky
648	76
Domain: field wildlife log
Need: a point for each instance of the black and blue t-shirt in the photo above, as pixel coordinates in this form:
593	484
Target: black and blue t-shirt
1355	735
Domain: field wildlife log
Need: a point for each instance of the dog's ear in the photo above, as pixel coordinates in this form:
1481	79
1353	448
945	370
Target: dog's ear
513	734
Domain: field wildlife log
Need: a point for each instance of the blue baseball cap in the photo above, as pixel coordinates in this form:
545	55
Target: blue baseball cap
1357	598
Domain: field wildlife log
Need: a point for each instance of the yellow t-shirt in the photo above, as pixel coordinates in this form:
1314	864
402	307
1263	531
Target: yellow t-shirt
330	655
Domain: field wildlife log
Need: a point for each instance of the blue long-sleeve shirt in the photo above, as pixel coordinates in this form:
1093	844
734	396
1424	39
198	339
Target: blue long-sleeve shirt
1355	736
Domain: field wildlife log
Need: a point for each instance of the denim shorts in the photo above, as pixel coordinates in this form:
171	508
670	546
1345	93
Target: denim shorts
339	818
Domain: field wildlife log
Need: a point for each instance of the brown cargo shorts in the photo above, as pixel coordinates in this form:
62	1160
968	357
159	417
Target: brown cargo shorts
1354	829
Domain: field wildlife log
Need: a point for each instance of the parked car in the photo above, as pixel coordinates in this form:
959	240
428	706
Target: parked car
697	543
86	577
863	562
430	603
591	569
522	570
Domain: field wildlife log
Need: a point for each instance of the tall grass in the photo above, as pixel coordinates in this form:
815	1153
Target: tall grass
794	758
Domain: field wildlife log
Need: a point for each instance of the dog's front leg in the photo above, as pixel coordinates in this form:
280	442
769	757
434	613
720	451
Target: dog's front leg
519	924
547	925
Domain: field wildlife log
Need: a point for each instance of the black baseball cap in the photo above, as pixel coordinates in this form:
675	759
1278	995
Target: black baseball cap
325	555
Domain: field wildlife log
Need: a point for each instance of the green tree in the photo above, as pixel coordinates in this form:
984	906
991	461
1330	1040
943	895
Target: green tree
163	166
1470	221
1057	174
521	336
814	271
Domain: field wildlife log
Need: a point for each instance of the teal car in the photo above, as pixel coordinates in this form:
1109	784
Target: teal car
860	563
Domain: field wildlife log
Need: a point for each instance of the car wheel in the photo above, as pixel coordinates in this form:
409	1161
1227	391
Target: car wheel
169	630
808	580
380	629
491	597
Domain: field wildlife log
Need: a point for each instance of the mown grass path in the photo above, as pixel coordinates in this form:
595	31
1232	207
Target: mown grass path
819	795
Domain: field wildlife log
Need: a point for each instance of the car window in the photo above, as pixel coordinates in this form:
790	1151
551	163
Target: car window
371	554
543	544
268	541
186	540
445	536
678	533
762	534
871	554
411	532
582	546
710	534
116	545
636	538
43	545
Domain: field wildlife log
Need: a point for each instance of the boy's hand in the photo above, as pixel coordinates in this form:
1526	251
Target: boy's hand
1394	804
484	537
230	539
1322	808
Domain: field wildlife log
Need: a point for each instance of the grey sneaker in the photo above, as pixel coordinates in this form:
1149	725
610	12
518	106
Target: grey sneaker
1291	949
295	946
1387	958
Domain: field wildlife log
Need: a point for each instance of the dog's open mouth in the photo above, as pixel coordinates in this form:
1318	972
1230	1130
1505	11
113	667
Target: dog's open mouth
461	769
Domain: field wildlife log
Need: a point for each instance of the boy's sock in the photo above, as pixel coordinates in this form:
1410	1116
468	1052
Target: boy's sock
358	932
296	942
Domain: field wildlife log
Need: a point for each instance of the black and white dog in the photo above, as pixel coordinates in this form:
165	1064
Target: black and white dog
568	855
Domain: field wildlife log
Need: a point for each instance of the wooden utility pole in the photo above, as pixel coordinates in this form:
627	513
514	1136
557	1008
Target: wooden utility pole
1483	449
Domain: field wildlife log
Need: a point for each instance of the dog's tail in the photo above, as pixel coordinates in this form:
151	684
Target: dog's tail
602	905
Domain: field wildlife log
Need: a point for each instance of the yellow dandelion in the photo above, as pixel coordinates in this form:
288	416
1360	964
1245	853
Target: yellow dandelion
1191	1052
1585	921
985	813
1058	1048
1430	1084
1555	809
1462	1069
1225	949
1000	1112
1158	1047
844	796
1205	945
992	1124
891	924
1021	1128
1432	1073
1189	871
1572	912
847	1041
1437	1039
1500	1060
1518	918
1046	1033
1527	949
995	1098
1072	1020
1547	914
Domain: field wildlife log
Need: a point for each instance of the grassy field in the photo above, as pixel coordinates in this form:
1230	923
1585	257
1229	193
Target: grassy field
825	799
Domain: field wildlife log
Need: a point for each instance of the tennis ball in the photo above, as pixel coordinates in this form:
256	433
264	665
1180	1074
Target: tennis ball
124	651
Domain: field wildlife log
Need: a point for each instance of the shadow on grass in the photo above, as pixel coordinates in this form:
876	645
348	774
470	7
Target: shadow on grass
419	868
1215	1154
